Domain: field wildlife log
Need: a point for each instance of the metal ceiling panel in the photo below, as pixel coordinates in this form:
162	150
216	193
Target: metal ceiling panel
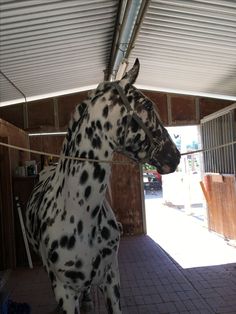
188	46
57	47
54	47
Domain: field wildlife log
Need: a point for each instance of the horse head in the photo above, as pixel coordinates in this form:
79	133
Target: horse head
141	134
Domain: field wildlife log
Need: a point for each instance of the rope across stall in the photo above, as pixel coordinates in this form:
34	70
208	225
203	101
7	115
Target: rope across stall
103	160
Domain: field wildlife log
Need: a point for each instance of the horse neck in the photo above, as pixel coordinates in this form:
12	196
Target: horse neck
85	139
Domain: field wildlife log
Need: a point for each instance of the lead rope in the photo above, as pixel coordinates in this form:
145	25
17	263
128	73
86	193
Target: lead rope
208	149
102	160
38	152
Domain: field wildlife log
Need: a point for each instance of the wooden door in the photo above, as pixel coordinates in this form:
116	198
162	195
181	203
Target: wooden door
7	235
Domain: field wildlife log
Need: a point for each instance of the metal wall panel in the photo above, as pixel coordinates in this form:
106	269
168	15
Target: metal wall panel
50	47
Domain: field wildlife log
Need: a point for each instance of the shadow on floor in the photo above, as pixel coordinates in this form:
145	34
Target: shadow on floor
151	282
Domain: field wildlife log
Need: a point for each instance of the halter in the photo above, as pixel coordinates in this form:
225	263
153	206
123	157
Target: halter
132	115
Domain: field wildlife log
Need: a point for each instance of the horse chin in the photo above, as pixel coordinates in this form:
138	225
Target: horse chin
163	169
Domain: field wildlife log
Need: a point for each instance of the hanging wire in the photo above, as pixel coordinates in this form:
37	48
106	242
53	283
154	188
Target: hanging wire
14	85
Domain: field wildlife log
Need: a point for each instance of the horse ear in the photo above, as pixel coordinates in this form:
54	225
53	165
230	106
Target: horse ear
131	75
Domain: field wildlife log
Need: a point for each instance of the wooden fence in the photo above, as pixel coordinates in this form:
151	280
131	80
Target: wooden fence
221	198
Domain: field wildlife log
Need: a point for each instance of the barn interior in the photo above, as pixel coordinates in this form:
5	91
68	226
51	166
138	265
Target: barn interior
52	54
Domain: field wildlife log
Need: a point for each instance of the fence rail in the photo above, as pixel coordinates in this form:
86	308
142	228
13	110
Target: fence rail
219	131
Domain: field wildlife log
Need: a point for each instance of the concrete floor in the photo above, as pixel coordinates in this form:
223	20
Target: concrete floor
152	280
186	237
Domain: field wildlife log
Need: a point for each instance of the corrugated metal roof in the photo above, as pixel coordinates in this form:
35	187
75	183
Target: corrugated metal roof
50	47
57	47
189	47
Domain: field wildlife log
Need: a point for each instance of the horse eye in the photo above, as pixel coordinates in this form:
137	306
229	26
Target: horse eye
148	105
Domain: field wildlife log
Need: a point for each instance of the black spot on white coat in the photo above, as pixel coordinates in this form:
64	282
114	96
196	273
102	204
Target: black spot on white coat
80	227
87	192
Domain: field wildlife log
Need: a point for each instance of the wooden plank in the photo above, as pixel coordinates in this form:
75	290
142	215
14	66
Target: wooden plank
228	205
8	255
9	160
160	100
210	105
217	178
13	114
40	112
66	105
205	193
221	193
183	110
16	137
46	143
126	196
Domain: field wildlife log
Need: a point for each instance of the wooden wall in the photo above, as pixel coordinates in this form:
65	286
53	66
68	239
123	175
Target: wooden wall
9	160
51	144
53	114
18	137
7	235
45	115
221	201
179	110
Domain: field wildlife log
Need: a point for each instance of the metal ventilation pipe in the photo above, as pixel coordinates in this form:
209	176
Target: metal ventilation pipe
134	11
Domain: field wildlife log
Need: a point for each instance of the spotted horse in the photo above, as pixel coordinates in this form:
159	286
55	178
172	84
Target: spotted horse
69	222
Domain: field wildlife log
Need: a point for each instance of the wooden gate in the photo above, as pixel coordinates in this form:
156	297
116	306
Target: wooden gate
219	129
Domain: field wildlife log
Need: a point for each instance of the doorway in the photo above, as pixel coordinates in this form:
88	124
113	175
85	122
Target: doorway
176	214
181	189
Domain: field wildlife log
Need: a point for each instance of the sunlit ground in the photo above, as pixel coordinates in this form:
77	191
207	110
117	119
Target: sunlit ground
185	238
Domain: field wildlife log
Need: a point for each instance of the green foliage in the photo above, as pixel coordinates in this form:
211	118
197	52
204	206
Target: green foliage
148	167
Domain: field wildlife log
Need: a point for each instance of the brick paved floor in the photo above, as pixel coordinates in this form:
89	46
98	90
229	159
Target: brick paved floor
151	283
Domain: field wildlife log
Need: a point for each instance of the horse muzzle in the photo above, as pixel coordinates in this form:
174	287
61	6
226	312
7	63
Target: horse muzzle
165	162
